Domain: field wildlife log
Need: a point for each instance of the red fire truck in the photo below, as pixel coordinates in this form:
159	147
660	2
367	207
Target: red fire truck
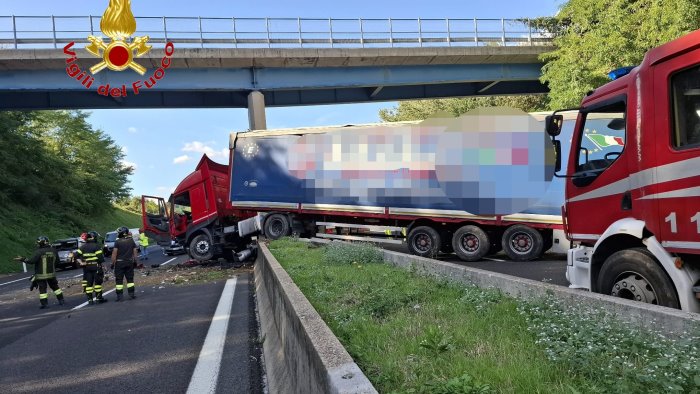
632	204
377	182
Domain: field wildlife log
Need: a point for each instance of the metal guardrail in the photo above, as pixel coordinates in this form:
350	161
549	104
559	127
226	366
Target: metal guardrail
21	32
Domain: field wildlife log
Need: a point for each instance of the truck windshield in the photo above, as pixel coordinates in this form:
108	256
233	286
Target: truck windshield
111	237
602	139
182	205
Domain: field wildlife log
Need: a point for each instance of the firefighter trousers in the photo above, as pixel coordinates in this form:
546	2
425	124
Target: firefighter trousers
53	284
92	283
124	269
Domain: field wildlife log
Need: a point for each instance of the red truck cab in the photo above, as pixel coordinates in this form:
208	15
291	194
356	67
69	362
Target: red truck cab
632	194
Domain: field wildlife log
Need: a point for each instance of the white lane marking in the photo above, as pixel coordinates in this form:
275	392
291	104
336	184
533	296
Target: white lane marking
77	276
206	374
492	259
169	261
7	283
85	303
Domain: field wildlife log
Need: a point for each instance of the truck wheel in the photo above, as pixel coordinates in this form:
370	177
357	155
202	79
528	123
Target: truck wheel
522	243
470	243
277	226
201	248
424	241
634	274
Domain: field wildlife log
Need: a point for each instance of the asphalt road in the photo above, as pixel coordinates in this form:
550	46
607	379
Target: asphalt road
150	344
551	268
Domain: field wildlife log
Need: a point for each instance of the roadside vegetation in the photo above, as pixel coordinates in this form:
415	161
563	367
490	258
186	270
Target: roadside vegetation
58	177
21	226
414	334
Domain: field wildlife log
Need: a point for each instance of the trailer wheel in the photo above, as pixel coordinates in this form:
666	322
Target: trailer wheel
471	243
424	241
522	243
277	226
201	248
634	274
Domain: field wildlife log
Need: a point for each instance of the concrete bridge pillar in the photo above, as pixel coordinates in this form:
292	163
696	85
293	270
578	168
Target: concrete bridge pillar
256	111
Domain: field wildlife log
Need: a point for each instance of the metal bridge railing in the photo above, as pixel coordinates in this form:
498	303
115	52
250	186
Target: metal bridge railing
21	32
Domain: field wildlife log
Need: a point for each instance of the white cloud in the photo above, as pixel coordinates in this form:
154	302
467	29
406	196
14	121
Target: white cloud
132	129
204	147
181	159
131	164
125	150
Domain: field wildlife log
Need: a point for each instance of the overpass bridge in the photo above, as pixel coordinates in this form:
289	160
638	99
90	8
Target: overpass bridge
257	62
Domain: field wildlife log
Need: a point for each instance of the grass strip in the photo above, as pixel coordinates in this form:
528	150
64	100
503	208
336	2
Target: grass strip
414	334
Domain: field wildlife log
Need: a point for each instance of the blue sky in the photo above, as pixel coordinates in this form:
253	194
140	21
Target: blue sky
164	145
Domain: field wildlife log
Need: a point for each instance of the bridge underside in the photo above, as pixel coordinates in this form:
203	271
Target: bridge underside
230	87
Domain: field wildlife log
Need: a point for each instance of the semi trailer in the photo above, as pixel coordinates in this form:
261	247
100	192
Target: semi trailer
472	185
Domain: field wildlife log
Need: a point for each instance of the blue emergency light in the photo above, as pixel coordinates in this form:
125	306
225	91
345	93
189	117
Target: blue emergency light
620	72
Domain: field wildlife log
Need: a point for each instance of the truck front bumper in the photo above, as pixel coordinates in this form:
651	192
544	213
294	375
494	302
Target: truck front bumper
578	267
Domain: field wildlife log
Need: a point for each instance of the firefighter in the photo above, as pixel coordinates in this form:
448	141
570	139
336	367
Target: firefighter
44	262
91	257
124	257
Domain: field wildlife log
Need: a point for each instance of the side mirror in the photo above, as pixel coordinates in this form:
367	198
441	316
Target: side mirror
553	124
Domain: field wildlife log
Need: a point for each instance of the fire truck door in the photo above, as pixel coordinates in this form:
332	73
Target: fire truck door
600	170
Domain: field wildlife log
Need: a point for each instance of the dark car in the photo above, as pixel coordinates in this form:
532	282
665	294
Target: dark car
67	249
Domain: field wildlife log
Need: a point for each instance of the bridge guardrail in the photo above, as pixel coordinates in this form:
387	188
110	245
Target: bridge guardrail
40	32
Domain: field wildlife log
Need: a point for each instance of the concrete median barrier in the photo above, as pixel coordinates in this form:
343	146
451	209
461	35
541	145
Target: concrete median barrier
301	353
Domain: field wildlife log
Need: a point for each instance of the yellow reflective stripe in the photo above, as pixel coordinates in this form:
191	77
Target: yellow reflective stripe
80	251
57	292
129	285
98	252
89	289
120	287
43	296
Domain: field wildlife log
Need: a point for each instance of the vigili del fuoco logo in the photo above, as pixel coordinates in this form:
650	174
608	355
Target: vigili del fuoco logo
119	53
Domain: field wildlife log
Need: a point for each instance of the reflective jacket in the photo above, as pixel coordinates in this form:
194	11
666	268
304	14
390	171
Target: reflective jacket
44	261
143	239
91	254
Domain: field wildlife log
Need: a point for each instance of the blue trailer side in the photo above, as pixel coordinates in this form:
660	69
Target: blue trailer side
431	176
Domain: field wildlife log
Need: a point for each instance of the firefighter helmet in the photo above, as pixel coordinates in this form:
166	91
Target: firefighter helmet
42	240
123	232
93	235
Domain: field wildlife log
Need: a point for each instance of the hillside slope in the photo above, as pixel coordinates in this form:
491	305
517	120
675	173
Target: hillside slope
22	225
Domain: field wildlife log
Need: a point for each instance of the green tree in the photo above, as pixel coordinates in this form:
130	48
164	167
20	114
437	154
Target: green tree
57	161
423	109
593	37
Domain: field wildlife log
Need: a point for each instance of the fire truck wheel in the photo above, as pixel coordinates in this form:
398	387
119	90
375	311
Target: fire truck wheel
201	248
424	241
634	274
522	243
277	226
471	243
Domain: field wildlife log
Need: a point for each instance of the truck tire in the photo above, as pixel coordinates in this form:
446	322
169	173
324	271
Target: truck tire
277	226
634	274
470	243
522	243
201	248
424	241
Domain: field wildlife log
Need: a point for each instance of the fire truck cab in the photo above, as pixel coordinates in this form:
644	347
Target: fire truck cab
632	205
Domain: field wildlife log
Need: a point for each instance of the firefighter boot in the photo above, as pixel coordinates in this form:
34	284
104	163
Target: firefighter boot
44	301
119	297
132	291
59	296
